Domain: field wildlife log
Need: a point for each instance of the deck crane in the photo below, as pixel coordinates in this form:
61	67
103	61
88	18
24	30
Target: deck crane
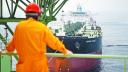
9	9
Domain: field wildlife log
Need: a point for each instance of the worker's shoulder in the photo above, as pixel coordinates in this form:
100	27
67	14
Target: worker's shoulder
41	24
21	22
34	23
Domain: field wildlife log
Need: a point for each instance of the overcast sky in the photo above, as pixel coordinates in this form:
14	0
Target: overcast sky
102	10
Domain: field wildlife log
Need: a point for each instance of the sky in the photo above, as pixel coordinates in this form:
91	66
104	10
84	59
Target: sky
102	10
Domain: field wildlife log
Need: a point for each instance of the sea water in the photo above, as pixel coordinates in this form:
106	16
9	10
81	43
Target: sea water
115	42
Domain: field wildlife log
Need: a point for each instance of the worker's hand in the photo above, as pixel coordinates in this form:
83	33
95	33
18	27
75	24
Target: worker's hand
69	52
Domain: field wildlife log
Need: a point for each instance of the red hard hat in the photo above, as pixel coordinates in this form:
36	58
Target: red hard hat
32	7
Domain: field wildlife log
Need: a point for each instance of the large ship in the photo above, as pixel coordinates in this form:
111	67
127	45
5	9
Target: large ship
81	35
78	31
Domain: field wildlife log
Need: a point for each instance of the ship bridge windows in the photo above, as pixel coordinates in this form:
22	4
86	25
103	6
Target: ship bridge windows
56	31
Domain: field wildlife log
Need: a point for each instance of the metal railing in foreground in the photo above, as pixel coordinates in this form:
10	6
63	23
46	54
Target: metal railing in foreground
123	57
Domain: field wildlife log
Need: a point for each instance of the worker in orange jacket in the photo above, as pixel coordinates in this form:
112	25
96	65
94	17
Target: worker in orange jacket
30	39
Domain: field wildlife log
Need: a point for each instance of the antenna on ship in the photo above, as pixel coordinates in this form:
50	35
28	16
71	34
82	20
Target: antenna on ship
62	17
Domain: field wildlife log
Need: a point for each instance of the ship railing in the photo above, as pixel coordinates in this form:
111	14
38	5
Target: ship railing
122	57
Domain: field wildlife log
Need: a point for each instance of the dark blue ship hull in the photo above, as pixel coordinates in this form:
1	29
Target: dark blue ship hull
82	44
79	45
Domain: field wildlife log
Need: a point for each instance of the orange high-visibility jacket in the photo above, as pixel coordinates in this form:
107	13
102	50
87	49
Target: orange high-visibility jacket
29	40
